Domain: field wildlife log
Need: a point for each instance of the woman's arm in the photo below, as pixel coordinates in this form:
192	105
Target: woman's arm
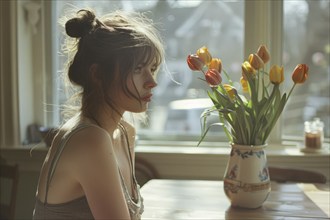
96	170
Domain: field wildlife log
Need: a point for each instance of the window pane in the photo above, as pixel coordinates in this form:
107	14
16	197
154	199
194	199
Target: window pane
185	26
306	40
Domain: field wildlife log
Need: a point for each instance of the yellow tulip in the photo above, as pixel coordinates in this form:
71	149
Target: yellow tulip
276	74
204	55
244	84
263	53
215	64
300	73
247	70
230	90
255	61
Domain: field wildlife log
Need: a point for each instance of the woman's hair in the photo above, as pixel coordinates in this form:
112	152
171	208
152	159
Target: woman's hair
117	42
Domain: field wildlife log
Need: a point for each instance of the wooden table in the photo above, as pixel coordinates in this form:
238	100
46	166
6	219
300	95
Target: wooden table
201	199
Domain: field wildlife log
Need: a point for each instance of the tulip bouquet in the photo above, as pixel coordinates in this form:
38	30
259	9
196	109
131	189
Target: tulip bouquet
249	117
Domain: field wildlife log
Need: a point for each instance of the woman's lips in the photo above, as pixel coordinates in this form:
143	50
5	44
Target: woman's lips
147	98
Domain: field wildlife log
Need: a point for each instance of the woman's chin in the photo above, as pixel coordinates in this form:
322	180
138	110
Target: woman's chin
140	109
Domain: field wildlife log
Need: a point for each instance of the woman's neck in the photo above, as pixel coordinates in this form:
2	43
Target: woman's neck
107	119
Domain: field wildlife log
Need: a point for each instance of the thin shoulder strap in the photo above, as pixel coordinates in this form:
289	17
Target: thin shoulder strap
136	194
66	137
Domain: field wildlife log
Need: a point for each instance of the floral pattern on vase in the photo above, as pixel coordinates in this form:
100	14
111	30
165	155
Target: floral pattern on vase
246	179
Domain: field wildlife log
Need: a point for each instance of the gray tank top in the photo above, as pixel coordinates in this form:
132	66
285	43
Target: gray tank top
79	208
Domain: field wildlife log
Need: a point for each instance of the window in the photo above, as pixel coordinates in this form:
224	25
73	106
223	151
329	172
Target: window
185	26
220	25
306	40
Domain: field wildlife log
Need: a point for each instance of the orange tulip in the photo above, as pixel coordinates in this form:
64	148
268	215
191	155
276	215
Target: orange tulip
263	53
247	69
244	84
255	61
215	64
213	77
230	90
194	62
204	55
300	73
276	74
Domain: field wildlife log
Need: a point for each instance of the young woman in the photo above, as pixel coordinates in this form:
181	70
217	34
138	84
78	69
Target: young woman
88	172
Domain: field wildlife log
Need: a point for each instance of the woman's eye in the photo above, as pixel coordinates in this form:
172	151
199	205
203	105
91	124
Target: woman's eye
153	70
138	69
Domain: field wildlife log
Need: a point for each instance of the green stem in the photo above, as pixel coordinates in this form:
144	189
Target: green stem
258	86
263	87
227	76
290	91
225	128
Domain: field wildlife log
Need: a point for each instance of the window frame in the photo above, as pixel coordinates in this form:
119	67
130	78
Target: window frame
265	25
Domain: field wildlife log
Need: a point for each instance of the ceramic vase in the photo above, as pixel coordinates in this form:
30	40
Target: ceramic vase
246	179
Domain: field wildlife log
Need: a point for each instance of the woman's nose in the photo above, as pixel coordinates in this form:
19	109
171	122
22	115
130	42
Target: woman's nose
150	84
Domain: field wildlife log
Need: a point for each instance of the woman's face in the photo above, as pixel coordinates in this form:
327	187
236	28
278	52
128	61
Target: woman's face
140	83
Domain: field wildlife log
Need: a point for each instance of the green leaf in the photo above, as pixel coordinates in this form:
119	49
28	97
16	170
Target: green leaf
247	117
219	99
228	134
207	130
253	90
264	113
277	113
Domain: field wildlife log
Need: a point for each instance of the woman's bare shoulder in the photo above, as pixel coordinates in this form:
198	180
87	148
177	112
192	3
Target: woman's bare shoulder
128	126
85	144
90	138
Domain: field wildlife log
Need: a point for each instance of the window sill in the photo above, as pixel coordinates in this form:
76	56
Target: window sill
188	161
288	149
209	162
30	152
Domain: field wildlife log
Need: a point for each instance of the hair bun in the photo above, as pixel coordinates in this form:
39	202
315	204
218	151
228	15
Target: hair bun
80	25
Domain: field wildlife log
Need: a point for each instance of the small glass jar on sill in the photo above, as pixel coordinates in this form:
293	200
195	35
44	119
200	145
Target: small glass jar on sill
314	135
